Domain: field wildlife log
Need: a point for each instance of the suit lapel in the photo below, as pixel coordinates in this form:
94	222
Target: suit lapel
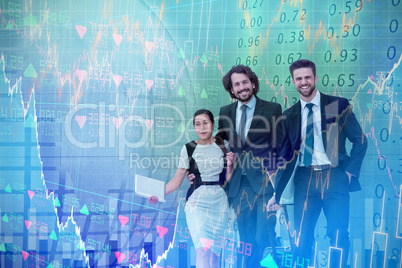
232	117
296	122
259	108
323	104
232	128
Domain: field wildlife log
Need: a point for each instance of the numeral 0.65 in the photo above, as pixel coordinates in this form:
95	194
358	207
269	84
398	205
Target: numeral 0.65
340	81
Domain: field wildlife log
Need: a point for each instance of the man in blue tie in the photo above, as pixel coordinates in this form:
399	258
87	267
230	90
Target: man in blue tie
253	128
315	130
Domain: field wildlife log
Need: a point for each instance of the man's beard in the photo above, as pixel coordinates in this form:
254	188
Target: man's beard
308	94
247	98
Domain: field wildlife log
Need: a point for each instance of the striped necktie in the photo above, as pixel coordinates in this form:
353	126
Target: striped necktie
242	127
309	141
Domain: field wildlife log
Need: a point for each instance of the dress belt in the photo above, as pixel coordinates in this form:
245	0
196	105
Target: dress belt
318	167
209	183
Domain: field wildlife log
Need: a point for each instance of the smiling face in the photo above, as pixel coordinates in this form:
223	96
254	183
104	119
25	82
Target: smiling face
242	87
203	127
304	81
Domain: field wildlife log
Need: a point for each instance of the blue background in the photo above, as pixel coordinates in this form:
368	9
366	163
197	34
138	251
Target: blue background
95	92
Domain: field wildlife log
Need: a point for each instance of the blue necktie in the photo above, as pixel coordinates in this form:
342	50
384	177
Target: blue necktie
242	127
309	141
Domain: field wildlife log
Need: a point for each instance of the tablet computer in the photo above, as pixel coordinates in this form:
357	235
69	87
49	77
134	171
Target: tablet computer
146	187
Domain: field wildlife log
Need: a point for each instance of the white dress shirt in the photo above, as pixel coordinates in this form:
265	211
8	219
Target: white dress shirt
319	156
249	113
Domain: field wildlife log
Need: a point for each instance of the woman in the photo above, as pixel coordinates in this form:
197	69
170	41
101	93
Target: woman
207	205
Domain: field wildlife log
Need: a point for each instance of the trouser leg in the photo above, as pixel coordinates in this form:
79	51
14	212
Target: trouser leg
336	210
247	226
265	232
308	203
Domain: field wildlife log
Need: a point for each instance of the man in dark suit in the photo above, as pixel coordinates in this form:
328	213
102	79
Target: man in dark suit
251	127
315	130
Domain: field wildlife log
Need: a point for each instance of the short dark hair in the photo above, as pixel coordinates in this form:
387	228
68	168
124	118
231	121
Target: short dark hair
302	64
240	69
206	112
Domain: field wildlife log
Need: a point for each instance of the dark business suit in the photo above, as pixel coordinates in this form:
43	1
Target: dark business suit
327	189
262	139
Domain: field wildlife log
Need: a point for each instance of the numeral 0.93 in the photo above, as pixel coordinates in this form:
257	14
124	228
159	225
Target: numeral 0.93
343	54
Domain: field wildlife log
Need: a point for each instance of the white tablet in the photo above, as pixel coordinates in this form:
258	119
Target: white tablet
147	187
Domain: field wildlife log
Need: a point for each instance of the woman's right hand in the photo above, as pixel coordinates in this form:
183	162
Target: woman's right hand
230	158
190	177
153	199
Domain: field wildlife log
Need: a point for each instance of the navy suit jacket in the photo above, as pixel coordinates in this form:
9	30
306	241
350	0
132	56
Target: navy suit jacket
262	141
338	123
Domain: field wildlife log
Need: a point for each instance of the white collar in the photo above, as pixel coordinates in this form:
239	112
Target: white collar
251	104
316	100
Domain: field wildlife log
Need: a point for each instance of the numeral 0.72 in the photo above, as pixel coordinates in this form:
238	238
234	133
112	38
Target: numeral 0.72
302	15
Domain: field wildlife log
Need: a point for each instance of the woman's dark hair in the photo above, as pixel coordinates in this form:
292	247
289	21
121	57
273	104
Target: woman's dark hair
220	143
206	112
240	69
302	64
